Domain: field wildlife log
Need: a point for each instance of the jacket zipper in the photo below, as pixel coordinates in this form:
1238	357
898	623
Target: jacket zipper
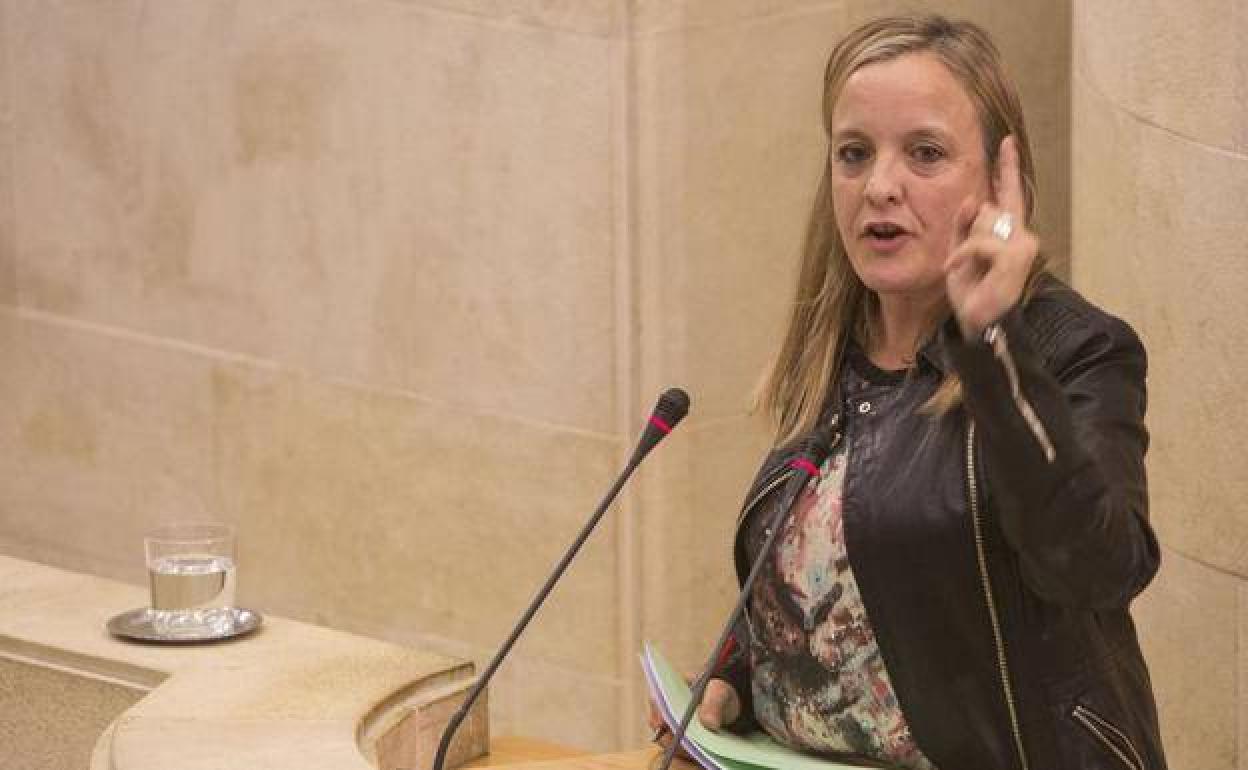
745	512
1097	725
784	474
1002	664
780	478
766	490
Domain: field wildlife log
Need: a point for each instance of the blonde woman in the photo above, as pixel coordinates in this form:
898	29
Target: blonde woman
952	590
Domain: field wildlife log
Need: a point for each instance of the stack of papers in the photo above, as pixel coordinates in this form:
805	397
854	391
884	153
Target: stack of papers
719	751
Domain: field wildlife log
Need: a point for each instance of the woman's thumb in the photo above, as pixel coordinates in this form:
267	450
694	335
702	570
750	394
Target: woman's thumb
720	705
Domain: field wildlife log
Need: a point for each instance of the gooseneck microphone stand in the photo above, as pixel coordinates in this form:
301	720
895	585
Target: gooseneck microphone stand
804	466
672	407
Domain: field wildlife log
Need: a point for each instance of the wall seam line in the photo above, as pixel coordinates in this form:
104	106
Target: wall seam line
1212	567
1142	120
226	357
501	22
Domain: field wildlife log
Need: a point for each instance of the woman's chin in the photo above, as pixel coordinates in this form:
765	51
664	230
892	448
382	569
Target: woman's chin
902	283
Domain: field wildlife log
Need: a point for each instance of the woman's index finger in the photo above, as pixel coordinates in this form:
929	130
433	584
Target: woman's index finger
1007	183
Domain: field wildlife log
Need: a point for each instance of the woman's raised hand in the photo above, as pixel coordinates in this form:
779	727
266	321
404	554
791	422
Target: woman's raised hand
993	251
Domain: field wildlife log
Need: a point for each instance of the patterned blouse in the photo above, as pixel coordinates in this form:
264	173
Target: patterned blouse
819	682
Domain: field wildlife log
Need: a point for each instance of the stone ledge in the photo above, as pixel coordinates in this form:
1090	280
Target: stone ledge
291	695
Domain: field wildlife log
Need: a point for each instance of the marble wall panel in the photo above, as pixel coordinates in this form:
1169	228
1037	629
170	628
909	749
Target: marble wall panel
1177	65
382	192
591	17
1242	666
1159	228
1034	39
1158	137
689	515
558	704
662	16
102	439
1105	198
8	255
378	508
1193	648
729	148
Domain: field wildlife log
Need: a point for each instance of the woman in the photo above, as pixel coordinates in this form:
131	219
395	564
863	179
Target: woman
952	590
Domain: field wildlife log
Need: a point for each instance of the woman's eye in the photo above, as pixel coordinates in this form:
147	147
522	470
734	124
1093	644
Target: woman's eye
851	153
927	153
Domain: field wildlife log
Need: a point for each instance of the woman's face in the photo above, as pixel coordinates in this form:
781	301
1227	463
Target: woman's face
908	172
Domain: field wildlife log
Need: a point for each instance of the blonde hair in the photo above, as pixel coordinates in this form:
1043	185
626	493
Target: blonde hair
832	305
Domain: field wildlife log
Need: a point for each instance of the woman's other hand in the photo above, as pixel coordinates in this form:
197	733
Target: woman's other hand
993	251
720	707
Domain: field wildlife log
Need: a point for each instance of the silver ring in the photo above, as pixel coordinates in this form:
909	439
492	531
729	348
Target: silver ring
1003	228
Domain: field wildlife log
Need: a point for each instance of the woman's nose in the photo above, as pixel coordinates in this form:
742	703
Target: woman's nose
884	185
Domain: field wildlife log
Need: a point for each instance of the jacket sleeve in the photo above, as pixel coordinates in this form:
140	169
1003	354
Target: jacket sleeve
1062	450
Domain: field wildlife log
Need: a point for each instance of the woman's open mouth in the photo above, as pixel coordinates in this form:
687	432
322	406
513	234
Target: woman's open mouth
885	236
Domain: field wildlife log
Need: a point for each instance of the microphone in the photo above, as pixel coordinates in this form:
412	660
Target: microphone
672	407
804	466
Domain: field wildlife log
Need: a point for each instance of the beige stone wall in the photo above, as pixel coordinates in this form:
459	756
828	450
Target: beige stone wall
1160	149
390	285
343	274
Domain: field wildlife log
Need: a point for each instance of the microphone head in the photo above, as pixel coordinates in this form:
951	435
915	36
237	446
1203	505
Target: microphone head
672	407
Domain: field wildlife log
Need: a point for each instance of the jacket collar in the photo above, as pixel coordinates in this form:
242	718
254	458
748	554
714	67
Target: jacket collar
933	352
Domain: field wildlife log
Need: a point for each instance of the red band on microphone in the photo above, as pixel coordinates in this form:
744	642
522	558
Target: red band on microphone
656	422
802	464
725	653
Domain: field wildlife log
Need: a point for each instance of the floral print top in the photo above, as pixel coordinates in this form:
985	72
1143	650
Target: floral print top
819	682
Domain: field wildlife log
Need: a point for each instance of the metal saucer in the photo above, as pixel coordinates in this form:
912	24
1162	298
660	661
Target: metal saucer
137	624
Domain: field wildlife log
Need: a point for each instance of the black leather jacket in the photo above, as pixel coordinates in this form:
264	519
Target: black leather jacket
997	548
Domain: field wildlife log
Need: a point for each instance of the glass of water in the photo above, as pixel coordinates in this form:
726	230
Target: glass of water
192	574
